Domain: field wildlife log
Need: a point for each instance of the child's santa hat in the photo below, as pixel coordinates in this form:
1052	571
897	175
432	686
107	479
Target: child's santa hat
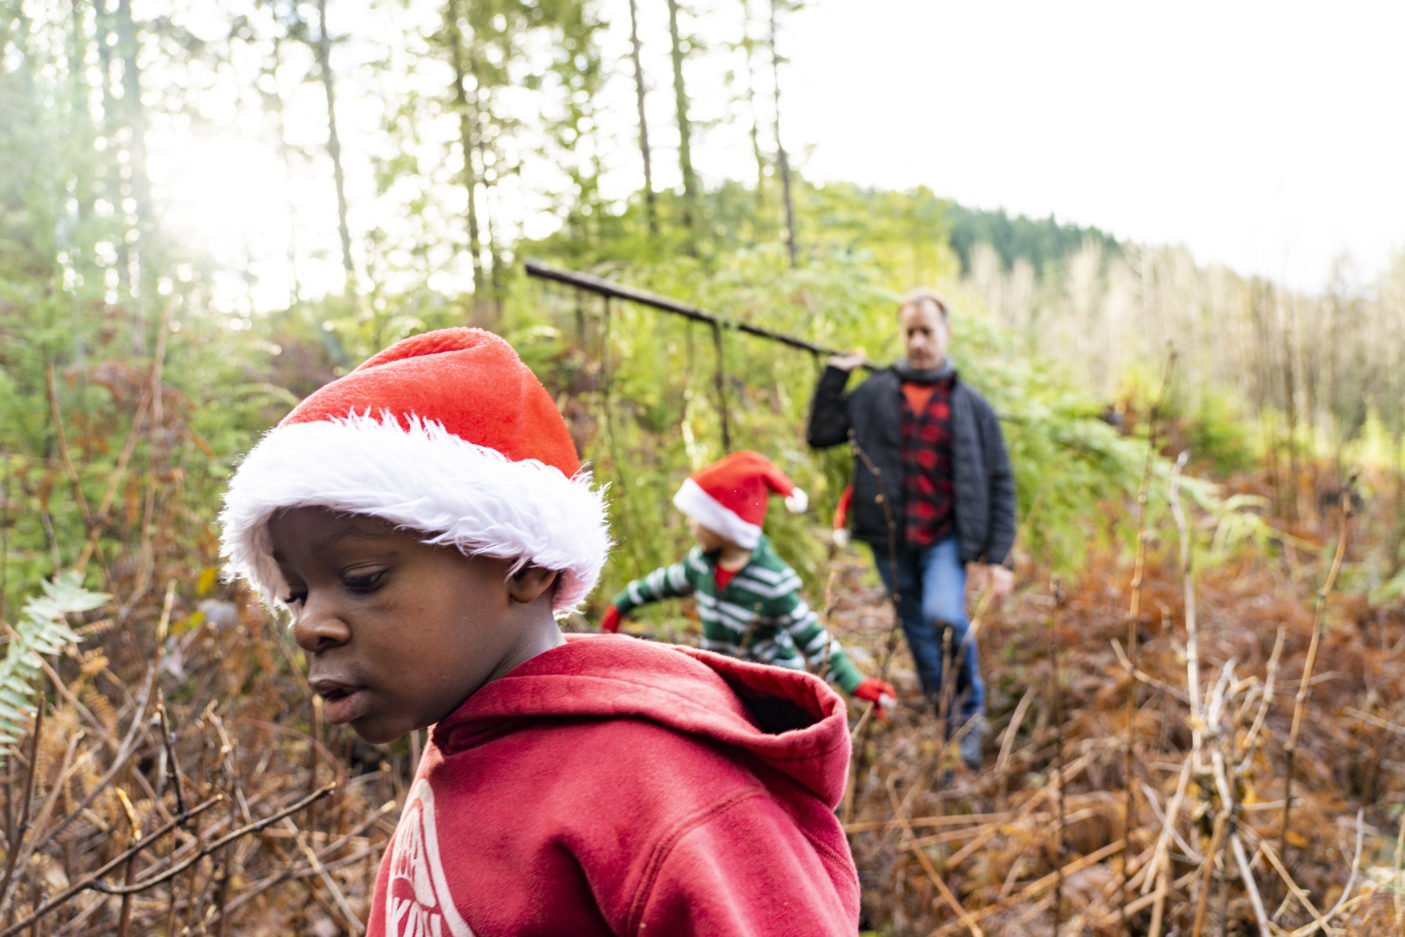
448	433
730	496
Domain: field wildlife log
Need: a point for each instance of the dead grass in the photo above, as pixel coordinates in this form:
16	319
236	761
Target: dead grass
176	777
1039	841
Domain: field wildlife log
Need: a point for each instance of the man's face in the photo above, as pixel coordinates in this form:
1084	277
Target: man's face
925	334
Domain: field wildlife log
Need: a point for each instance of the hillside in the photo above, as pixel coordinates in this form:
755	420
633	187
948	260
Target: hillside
1039	242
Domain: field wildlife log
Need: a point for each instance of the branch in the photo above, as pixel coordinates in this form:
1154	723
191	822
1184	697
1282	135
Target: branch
1300	704
210	847
67	894
966	919
17	835
94	881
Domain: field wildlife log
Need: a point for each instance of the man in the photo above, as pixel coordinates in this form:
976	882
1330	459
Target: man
933	496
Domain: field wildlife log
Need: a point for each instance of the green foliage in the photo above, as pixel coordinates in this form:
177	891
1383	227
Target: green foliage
1210	425
647	395
642	395
1377	444
1045	243
904	235
41	631
641	386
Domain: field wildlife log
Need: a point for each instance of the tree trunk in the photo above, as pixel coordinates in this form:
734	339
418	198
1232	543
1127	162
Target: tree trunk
275	105
490	173
685	129
467	143
1288	323
323	49
110	184
1268	373
496	287
81	247
143	277
650	207
754	131
781	161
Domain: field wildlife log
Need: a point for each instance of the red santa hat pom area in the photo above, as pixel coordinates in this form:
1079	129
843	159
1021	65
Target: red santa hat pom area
448	433
730	495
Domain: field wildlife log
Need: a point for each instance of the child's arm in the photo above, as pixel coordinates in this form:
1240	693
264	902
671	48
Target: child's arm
821	650
666	582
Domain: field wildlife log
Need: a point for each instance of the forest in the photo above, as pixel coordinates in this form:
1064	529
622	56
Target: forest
207	211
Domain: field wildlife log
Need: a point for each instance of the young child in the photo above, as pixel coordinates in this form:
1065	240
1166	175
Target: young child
423	518
748	599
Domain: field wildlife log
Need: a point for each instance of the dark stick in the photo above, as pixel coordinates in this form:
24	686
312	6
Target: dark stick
1054	624
720	376
64	896
173	771
605	287
17	834
95	882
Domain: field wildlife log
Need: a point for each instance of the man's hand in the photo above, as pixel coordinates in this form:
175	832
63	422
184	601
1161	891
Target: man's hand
993	578
848	362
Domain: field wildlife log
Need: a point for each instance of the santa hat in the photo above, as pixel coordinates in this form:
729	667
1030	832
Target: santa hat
446	432
730	495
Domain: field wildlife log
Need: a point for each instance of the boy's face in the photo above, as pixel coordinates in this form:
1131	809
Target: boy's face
397	633
707	538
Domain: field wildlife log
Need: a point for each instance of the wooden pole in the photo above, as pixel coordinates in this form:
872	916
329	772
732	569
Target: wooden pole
605	287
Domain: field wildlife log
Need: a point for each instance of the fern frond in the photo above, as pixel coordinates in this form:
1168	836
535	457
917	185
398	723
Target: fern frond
41	631
100	706
101	626
60	726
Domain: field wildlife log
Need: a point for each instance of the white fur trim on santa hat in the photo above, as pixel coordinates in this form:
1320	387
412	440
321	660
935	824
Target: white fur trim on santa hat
423	478
695	502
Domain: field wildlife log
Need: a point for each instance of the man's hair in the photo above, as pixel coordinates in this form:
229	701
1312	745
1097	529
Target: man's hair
924	294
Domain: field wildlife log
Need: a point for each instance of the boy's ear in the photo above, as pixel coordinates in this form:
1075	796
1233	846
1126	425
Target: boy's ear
530	582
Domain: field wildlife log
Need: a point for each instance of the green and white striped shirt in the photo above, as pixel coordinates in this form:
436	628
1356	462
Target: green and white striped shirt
758	616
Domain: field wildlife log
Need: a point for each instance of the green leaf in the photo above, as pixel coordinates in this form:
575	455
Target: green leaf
42	630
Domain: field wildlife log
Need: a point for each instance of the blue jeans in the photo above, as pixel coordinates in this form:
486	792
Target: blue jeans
931	591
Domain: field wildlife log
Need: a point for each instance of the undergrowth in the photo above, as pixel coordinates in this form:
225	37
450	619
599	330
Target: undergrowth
174	776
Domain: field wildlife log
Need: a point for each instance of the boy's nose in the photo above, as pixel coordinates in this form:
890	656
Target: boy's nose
319	626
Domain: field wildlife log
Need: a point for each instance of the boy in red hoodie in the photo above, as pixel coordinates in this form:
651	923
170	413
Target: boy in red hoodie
423	518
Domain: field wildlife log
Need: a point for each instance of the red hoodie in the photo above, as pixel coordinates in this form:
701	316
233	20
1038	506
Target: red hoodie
616	786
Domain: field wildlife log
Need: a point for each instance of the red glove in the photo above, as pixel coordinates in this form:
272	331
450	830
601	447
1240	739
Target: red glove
611	621
878	692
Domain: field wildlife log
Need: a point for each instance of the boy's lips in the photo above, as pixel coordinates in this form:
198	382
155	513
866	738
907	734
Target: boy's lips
343	702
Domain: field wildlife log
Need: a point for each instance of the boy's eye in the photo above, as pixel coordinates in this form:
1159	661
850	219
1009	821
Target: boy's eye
295	597
364	582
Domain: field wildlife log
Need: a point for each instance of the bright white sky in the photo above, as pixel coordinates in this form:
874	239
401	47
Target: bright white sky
1269	136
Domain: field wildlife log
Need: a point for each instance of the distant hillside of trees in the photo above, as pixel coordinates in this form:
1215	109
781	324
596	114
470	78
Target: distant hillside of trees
1042	242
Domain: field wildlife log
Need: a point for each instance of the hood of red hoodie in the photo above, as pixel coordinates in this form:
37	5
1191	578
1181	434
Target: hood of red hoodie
789	720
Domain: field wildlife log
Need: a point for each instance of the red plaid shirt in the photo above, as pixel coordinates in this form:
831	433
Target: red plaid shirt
926	458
